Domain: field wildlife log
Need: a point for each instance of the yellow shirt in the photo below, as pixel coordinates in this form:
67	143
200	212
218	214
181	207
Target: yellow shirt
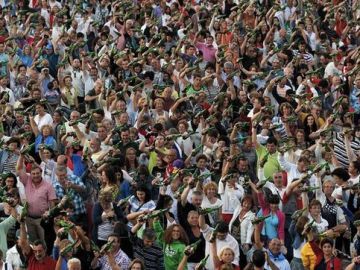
308	257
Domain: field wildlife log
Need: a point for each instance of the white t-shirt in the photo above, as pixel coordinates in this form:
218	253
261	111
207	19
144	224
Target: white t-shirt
44	120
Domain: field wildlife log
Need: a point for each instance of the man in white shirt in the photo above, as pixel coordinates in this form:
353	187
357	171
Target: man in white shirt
223	239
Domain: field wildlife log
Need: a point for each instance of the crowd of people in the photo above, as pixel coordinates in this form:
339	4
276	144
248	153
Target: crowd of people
179	135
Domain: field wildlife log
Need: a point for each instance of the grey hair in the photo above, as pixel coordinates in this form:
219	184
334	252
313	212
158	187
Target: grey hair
228	65
73	261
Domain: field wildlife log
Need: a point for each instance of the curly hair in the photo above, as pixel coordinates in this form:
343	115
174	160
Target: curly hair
168	235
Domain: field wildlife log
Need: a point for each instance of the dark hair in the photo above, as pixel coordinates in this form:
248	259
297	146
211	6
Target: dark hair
258	258
327	241
149	234
110	174
143	188
271	140
341	173
39	242
356	164
273	199
223	227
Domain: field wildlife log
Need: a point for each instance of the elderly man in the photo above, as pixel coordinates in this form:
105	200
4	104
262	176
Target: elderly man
276	256
40	196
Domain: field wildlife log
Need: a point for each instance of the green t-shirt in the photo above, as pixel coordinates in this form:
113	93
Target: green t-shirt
173	253
272	165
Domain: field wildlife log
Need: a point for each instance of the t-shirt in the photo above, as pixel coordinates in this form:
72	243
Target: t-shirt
272	165
47	264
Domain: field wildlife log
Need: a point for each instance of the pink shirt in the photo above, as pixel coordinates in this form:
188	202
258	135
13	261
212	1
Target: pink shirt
38	197
208	51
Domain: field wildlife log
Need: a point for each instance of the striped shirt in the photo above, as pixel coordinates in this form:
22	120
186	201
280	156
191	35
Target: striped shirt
153	256
339	149
121	259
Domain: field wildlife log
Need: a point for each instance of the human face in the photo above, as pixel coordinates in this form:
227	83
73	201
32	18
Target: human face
148	242
352	170
227	256
175	234
46	132
275	246
125	136
327	249
243	165
201	163
300	137
271	147
274	207
196	200
131	154
39	109
39	252
315	210
246	205
141	195
302	166
193	219
221	236
94	145
136	266
102	133
10	182
36	176
328	188
310	121
116	243
61	177
12	146
211	192
278	181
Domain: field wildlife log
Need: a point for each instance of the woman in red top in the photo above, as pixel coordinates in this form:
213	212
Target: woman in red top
327	261
224	259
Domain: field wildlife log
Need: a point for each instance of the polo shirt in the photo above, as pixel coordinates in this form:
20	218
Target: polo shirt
47	264
272	165
37	197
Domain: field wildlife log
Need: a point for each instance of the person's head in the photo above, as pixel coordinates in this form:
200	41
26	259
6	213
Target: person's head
115	239
13	144
247	202
36	174
40	109
149	237
226	255
275	246
136	264
105	199
193	218
95	145
315	208
223	230
354	168
10	181
303	164
327	246
201	161
210	189
46	130
243	164
142	194
340	176
328	187
196	198
74	264
274	200
175	233
39	249
108	175
271	145
258	259
61	173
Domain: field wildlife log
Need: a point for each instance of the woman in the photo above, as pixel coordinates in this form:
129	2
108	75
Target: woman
211	201
328	261
224	258
131	162
241	227
105	214
310	126
109	181
42	136
158	110
174	240
273	226
25	55
139	204
296	231
165	202
136	264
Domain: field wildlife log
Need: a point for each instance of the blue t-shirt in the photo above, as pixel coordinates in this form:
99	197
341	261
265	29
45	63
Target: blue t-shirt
270	226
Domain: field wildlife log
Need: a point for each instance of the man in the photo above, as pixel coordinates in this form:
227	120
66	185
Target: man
69	94
14	255
276	256
268	155
6	225
207	48
68	183
74	264
40	195
223	239
146	249
36	255
114	259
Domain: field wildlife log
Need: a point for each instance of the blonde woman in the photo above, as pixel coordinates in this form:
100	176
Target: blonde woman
211	201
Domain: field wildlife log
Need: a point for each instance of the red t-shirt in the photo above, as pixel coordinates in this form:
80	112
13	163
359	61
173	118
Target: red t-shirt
47	264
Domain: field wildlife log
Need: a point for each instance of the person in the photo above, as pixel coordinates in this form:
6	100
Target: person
113	258
328	259
40	197
74	264
146	248
36	255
